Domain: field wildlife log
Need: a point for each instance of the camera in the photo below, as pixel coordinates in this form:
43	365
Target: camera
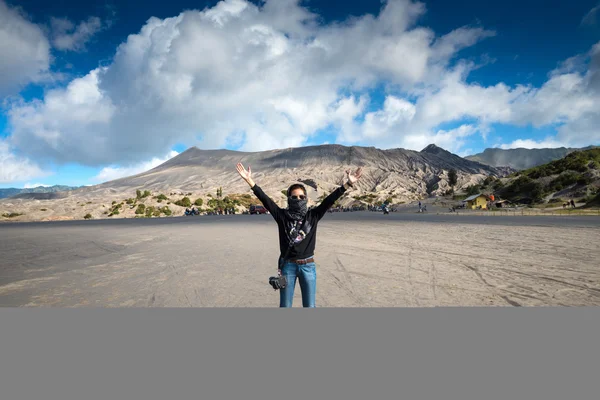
278	282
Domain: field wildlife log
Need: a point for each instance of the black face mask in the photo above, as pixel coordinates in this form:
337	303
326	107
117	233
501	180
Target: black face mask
297	208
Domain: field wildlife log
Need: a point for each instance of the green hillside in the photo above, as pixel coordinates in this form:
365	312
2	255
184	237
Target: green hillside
577	175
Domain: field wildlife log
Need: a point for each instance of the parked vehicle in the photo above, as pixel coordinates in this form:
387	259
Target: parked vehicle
258	210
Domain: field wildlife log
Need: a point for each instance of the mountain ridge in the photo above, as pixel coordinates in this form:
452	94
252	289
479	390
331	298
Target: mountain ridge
522	158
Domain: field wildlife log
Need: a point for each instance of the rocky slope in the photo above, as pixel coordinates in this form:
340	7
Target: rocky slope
402	175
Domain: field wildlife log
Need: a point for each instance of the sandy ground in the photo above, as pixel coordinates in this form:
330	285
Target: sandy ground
225	261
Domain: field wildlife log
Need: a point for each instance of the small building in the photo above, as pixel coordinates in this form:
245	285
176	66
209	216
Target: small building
477	201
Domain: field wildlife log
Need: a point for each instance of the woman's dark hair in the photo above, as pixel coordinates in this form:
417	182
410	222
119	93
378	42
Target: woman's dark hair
295	186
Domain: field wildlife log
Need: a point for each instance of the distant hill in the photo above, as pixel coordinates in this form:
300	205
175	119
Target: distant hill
577	175
407	174
521	158
12	192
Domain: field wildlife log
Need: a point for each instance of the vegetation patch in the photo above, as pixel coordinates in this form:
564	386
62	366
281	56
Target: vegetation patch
87	216
11	215
577	161
141	195
161	197
166	210
185	202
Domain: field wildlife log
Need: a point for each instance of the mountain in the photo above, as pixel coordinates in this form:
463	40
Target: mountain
9	192
521	158
577	175
397	174
406	173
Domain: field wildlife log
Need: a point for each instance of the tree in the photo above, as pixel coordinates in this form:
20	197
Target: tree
473	189
452	178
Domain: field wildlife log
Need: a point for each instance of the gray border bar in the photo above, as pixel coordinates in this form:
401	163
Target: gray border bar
441	353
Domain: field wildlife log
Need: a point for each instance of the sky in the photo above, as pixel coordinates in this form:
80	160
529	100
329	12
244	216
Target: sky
97	90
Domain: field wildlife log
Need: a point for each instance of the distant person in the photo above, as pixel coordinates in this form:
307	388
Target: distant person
297	234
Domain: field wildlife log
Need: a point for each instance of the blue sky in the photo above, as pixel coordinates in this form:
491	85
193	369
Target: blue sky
51	136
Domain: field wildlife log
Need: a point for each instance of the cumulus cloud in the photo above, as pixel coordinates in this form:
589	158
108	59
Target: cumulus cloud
112	173
273	76
24	51
266	77
67	36
14	168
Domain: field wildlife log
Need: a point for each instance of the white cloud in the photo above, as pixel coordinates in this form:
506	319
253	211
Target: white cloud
67	36
24	51
271	77
272	74
34	185
112	173
14	168
547	143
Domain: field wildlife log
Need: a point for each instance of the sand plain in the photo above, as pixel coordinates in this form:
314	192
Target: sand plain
364	259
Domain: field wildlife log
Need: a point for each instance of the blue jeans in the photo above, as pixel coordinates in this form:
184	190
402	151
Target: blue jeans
307	276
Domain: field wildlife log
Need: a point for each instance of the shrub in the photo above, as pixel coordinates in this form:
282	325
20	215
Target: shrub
115	212
130	201
198	202
114	202
87	216
167	211
11	215
185	202
43	209
141	209
149	211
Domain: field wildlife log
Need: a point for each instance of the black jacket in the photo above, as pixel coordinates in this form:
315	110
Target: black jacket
304	246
